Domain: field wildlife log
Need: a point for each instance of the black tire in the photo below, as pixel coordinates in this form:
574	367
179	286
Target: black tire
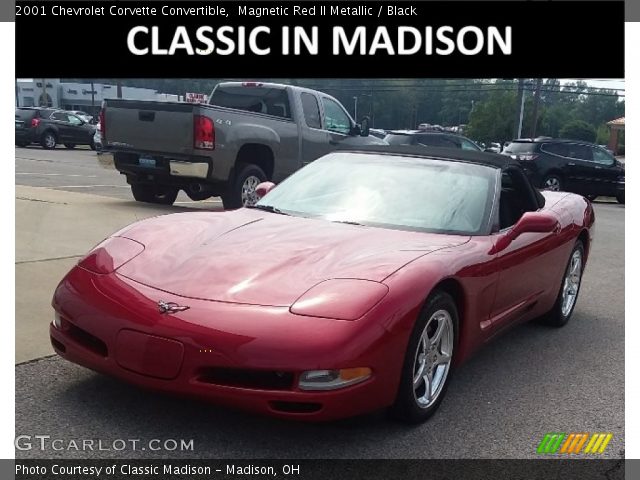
406	407
592	197
70	146
162	195
48	140
92	145
555	317
233	197
620	198
553	182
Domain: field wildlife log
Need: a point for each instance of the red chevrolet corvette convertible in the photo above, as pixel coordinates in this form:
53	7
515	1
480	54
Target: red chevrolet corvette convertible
357	284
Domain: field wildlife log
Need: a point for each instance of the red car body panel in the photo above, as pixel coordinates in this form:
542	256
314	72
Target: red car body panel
244	316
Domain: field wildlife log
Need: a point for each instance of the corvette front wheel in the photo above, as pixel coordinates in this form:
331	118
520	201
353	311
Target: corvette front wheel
427	364
569	289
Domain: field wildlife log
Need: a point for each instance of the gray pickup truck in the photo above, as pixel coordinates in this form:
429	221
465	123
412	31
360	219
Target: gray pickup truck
249	132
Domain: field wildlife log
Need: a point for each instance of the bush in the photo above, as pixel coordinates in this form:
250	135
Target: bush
578	130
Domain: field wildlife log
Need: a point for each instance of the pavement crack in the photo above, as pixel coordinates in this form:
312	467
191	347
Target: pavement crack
48	259
38	200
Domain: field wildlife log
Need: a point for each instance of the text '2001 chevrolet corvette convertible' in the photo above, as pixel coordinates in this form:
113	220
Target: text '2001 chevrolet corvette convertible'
356	284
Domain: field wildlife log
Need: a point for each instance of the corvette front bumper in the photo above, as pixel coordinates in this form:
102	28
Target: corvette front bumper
242	356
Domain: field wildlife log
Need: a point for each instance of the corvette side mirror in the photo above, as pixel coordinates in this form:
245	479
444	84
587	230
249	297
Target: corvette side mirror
530	222
263	188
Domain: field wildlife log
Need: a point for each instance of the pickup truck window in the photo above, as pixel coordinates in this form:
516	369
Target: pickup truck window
270	101
311	110
336	120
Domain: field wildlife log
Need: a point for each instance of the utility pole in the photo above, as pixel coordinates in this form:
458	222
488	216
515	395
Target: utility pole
119	88
517	121
536	103
43	102
17	94
355	108
93	100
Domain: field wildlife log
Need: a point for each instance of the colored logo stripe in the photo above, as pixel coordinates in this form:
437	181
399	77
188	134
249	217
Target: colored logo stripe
550	442
572	443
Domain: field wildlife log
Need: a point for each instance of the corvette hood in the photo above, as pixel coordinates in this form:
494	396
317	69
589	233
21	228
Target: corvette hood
253	257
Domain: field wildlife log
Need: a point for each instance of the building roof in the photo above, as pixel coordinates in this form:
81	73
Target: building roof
618	122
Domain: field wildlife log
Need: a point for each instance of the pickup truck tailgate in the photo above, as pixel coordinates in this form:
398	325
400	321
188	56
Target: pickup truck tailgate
150	126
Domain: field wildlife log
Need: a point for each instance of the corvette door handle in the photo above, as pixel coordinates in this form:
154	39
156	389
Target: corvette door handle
571	164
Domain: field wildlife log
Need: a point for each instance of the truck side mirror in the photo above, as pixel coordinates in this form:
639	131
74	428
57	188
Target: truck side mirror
364	127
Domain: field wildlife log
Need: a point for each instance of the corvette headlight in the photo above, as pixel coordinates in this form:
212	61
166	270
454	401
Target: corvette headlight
340	299
332	379
111	254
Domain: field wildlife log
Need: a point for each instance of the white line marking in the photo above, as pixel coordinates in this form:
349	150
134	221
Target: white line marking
56	174
89	186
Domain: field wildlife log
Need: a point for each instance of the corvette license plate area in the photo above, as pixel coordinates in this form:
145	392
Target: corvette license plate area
149	355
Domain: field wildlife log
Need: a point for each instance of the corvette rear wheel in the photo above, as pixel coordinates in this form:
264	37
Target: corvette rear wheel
568	295
427	363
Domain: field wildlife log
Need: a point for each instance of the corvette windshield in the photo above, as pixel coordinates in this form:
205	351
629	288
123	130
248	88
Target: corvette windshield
390	191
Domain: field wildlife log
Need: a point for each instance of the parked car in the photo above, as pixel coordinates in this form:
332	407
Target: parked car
84	116
249	132
354	285
50	127
570	165
377	132
97	138
494	147
430	138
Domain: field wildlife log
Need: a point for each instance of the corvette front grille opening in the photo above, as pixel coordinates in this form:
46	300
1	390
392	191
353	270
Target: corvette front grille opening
295	407
87	340
237	377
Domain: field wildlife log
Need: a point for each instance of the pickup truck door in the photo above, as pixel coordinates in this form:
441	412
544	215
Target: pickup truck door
337	122
315	139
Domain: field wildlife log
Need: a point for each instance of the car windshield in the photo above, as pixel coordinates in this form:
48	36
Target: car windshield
390	191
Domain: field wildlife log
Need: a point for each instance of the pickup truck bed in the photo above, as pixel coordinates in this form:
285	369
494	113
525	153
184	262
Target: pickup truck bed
247	134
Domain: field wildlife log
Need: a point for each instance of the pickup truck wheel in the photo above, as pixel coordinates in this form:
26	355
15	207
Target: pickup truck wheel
70	146
243	190
48	140
154	194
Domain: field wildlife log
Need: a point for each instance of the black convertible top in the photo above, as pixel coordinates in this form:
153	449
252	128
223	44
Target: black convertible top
470	156
494	160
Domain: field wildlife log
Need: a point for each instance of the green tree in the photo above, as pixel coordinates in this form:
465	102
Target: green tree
491	120
578	130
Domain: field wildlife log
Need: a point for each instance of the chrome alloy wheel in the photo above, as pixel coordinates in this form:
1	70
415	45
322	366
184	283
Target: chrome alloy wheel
433	358
249	196
571	283
552	183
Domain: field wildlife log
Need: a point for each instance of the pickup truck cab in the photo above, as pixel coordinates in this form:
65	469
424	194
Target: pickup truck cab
249	132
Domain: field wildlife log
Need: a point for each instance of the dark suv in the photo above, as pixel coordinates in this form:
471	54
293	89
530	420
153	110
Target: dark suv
49	127
570	165
430	138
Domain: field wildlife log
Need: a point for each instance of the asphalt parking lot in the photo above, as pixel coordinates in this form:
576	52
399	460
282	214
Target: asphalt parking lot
531	381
